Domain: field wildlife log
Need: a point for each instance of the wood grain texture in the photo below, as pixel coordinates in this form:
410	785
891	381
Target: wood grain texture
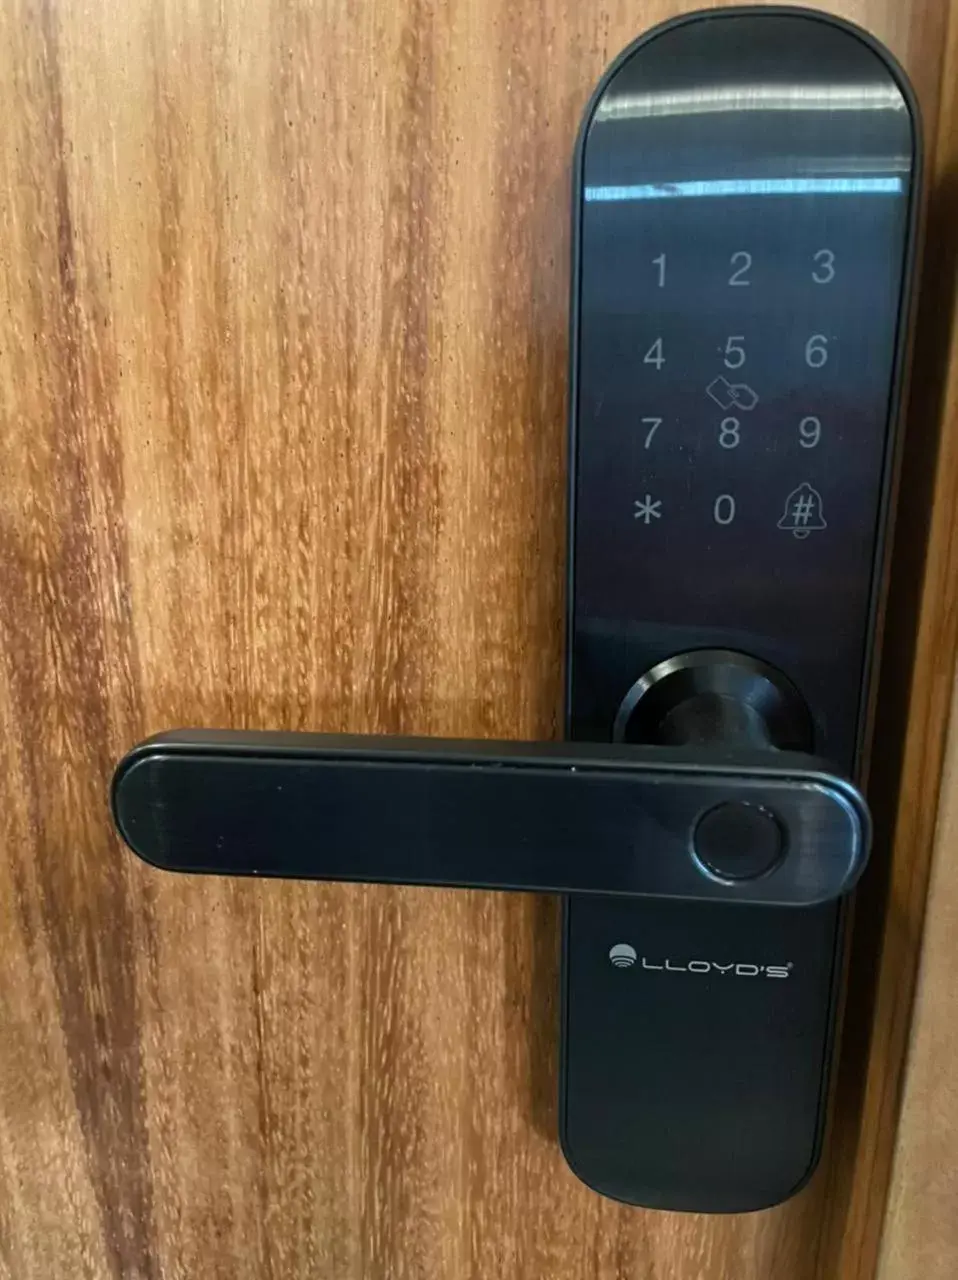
282	364
921	1229
910	730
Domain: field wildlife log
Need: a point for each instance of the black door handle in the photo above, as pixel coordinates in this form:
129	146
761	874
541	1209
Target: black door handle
563	818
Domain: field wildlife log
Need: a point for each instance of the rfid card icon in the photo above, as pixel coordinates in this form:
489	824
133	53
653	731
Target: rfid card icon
732	395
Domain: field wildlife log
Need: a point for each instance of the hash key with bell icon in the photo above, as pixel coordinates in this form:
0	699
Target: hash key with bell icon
803	512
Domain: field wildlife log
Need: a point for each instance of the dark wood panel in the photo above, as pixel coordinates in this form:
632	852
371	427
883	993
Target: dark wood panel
282	366
917	678
921	1230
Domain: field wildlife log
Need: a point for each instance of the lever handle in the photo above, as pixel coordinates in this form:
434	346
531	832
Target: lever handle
744	826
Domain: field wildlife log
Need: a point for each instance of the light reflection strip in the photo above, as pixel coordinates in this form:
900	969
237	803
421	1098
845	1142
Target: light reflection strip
749	187
750	97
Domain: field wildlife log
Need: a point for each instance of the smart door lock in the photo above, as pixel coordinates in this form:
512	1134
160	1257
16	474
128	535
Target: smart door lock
744	202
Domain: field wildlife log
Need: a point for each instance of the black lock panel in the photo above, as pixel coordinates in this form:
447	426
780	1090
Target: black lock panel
744	202
693	1076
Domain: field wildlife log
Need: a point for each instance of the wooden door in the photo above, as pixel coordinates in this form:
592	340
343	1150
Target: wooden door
282	367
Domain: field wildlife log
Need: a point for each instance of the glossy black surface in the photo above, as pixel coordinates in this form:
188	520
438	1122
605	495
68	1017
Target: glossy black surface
556	817
749	107
775	133
696	1088
739	840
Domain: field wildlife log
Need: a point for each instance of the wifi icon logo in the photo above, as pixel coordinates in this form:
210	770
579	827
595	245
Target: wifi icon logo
623	956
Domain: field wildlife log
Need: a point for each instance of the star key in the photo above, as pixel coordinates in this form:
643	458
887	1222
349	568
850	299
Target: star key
646	509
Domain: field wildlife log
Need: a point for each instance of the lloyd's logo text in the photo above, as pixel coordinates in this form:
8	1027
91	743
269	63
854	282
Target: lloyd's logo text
624	956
